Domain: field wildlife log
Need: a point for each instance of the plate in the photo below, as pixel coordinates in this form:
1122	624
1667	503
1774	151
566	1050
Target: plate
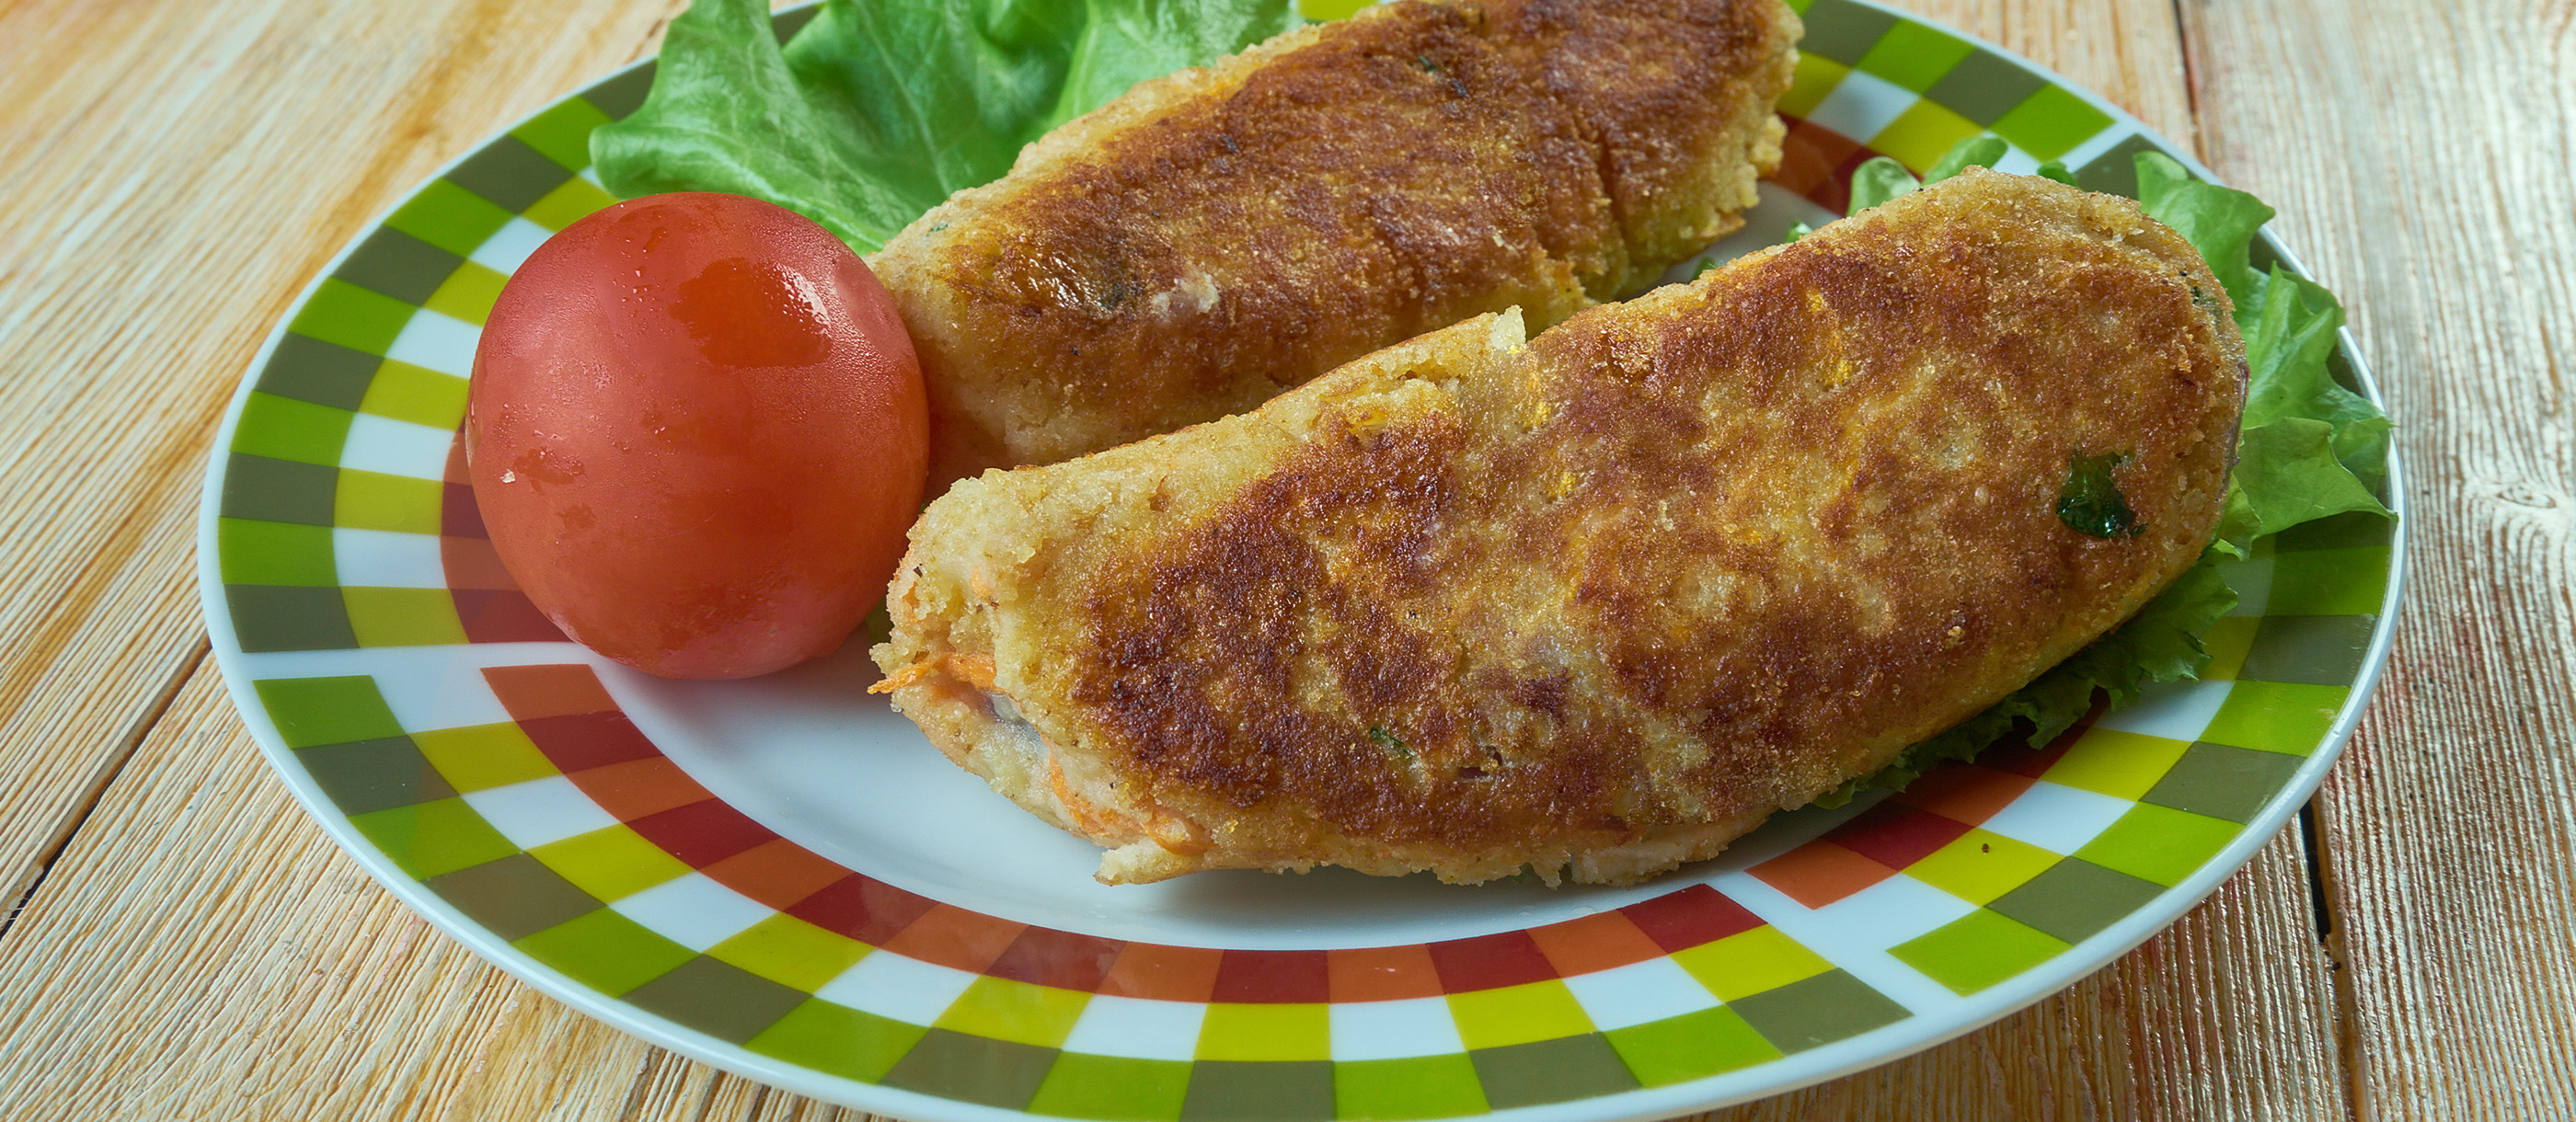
780	877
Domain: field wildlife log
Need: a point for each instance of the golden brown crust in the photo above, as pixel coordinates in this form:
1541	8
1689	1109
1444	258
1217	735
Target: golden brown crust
1602	602
1219	235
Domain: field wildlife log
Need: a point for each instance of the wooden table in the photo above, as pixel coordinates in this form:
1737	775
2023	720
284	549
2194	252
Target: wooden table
177	940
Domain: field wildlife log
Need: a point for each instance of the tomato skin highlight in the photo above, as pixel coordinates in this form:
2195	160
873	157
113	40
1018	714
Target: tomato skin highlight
697	434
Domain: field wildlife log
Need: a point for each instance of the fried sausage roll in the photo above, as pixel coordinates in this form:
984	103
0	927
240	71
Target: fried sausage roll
1219	235
1598	602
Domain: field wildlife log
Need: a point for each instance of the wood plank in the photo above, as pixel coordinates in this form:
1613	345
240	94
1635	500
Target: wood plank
202	950
170	177
2419	155
200	916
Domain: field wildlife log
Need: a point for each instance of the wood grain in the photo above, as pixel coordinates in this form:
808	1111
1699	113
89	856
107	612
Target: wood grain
273	980
2420	157
2158	1034
171	175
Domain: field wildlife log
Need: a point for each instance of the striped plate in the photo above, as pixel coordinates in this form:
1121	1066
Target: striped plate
781	878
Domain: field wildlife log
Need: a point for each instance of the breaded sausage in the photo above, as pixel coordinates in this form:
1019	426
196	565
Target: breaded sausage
1598	603
1219	235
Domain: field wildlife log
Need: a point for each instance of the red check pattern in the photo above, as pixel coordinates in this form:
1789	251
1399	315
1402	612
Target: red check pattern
488	602
1817	163
1930	813
571	718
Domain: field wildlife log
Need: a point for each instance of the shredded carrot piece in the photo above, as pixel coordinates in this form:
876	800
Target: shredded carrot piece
905	677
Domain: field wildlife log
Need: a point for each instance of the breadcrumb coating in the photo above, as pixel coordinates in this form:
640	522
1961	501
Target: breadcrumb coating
1219	235
1598	602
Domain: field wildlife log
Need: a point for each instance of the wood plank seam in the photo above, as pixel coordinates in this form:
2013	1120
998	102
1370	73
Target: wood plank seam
2309	845
2321	884
55	631
2347	1035
105	774
2190	76
2445	825
2322	893
43	866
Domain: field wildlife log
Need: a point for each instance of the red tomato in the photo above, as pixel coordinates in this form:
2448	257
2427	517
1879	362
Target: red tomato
697	433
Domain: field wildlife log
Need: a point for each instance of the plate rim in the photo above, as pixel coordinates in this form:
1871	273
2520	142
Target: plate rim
1907	1036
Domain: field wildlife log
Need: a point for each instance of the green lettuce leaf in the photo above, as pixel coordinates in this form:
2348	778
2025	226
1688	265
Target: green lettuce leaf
880	109
2287	474
2311	448
1877	180
2289	349
1128	41
1981	151
2218	221
1881	178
